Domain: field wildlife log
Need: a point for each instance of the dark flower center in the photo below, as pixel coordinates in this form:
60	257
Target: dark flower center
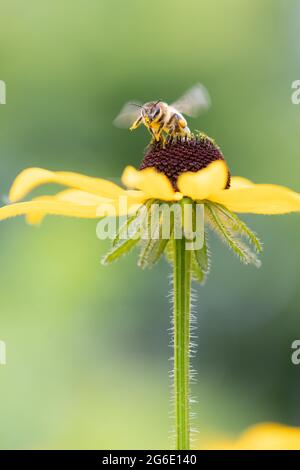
181	155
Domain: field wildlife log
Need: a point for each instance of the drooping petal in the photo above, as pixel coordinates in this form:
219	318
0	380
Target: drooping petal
31	178
38	208
151	182
52	207
200	184
259	199
74	196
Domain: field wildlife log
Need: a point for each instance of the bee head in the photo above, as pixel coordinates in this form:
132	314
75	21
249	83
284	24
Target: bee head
151	111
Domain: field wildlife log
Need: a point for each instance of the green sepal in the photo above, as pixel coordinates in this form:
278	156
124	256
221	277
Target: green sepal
153	244
201	257
197	273
231	237
239	226
123	231
133	227
151	251
169	251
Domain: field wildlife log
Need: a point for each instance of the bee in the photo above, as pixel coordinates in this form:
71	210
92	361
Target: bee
164	120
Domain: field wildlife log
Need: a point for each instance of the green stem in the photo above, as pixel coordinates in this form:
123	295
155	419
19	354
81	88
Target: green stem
182	313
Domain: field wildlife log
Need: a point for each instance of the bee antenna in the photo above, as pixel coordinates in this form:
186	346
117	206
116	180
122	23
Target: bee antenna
137	105
159	101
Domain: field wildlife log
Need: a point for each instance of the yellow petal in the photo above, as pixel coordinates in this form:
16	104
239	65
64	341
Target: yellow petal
52	207
151	182
31	178
128	203
200	184
270	436
259	199
69	195
240	182
118	207
264	436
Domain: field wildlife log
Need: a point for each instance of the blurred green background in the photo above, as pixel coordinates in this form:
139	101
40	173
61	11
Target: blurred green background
87	345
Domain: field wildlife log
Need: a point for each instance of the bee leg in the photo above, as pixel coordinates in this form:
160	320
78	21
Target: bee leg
153	140
136	124
163	140
188	133
183	129
171	134
159	134
173	126
182	123
169	137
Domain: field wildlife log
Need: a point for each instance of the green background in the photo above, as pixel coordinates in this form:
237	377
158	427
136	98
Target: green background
87	345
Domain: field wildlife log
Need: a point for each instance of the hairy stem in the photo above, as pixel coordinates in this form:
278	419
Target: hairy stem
182	313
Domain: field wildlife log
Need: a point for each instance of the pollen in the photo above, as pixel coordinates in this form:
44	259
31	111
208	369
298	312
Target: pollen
180	155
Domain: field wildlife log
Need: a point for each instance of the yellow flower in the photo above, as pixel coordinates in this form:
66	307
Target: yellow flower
167	175
265	436
190	170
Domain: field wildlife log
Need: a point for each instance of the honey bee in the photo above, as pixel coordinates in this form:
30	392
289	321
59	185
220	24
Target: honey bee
163	120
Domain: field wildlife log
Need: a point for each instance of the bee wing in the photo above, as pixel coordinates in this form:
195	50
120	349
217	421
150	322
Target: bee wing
128	114
194	100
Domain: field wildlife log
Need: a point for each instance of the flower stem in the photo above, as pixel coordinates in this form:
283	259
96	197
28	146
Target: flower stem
182	313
